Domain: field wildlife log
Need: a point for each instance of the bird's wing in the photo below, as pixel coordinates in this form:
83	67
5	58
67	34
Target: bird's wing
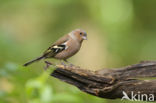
61	40
57	47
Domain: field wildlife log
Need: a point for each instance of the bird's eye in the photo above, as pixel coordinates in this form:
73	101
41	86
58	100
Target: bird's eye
80	33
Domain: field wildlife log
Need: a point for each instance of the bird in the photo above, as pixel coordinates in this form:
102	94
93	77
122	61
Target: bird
65	47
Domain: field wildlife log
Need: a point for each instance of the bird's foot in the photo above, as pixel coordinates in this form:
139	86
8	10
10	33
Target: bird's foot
62	63
68	63
71	65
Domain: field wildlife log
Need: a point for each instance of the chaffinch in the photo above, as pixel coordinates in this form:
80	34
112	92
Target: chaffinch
65	47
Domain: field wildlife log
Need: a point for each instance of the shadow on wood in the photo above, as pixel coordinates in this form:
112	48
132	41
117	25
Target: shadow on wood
111	84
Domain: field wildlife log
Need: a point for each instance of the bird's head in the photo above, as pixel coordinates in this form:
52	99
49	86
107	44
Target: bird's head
78	34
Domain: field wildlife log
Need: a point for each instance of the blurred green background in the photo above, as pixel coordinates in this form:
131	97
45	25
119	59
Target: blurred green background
120	32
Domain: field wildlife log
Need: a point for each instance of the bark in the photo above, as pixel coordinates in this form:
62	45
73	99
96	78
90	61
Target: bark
112	83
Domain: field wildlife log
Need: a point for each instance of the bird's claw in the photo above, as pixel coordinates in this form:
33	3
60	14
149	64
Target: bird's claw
62	63
67	63
71	65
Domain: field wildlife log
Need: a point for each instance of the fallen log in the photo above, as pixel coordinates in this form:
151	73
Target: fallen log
113	83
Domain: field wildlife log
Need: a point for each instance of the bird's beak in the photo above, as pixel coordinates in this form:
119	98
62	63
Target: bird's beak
84	37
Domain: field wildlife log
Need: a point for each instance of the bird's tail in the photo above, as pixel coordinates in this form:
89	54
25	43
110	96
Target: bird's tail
30	62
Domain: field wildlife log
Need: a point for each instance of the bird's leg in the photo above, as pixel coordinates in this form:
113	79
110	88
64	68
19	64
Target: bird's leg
68	62
47	65
62	63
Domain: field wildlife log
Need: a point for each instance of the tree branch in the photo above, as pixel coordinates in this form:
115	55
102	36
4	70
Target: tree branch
111	84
